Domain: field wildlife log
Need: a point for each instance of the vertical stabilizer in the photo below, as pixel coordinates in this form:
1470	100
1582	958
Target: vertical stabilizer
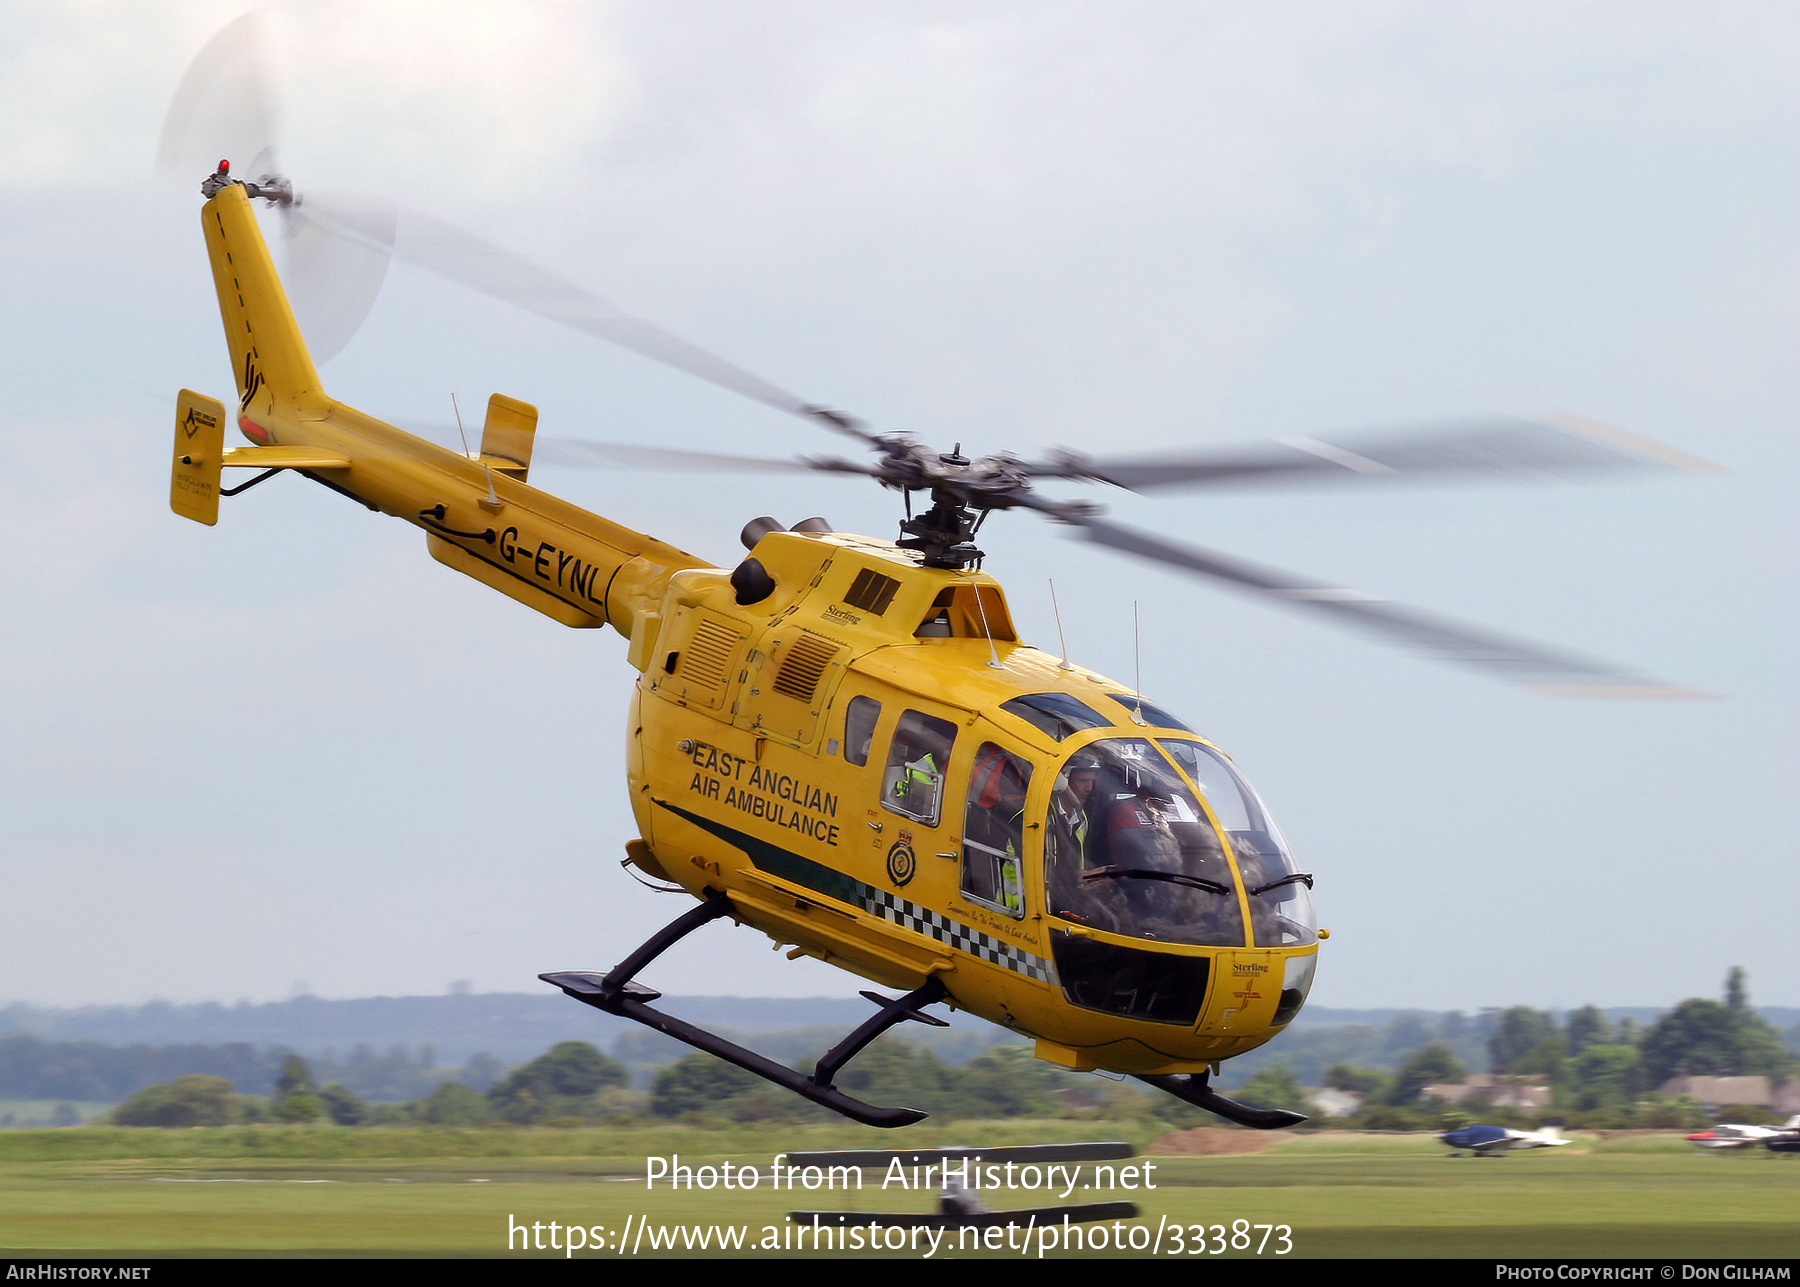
274	372
507	436
199	449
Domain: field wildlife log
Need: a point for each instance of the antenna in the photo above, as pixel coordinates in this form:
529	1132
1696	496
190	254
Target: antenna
982	609
459	428
1059	630
491	501
1137	668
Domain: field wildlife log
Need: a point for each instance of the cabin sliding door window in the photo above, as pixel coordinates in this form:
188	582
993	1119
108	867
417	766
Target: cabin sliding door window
860	718
913	783
994	831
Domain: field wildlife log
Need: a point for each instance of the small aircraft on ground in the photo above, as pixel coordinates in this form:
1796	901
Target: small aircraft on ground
842	741
1727	1136
1497	1141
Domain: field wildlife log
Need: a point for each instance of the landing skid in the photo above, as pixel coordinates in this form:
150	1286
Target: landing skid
616	993
1196	1091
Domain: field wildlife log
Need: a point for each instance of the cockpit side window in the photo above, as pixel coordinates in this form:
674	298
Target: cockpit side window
860	718
994	830
912	785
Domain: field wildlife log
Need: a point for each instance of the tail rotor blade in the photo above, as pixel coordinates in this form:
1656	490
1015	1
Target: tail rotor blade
222	108
337	251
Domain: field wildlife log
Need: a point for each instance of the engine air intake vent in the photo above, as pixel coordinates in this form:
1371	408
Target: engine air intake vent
707	658
803	666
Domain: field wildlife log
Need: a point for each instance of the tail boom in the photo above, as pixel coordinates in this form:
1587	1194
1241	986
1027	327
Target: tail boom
480	516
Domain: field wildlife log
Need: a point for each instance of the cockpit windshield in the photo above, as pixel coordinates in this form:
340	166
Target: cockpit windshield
1280	907
1130	850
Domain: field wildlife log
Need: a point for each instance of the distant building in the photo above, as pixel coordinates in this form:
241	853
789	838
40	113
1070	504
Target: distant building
1333	1103
1495	1089
1716	1092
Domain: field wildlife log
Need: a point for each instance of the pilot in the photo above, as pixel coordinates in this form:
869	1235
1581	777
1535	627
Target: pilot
1078	786
1069	827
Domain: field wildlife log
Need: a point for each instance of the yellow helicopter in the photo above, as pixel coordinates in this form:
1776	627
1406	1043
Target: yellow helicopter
842	742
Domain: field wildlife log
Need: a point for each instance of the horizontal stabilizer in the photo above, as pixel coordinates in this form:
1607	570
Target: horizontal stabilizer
283	458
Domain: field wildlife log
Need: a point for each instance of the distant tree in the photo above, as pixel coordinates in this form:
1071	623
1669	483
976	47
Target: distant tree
65	1115
1605	1077
1587	1027
187	1101
296	1079
555	1084
1519	1031
894	1071
1274	1087
482	1070
296	1094
1370	1083
1696	1038
1759	1045
1544	1060
1737	992
454	1104
568	1068
1003	1081
1700	1038
1405	1032
1432	1066
342	1105
298	1109
696	1083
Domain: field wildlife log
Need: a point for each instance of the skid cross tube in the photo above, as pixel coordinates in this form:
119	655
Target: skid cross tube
616	993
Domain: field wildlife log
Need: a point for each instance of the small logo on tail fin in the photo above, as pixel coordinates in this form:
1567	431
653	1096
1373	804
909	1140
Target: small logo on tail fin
253	379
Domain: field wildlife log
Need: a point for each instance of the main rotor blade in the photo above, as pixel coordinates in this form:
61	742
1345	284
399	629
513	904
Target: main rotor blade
580	453
468	260
1497	446
1547	671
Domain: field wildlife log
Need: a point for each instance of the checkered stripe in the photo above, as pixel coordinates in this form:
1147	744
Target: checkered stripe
922	920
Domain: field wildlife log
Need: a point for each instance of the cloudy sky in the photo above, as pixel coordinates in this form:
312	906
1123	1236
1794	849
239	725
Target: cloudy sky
292	752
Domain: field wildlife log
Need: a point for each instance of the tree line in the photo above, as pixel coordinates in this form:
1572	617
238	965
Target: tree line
574	1084
1599	1074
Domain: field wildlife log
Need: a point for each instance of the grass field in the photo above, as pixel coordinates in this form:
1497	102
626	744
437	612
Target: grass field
325	1191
